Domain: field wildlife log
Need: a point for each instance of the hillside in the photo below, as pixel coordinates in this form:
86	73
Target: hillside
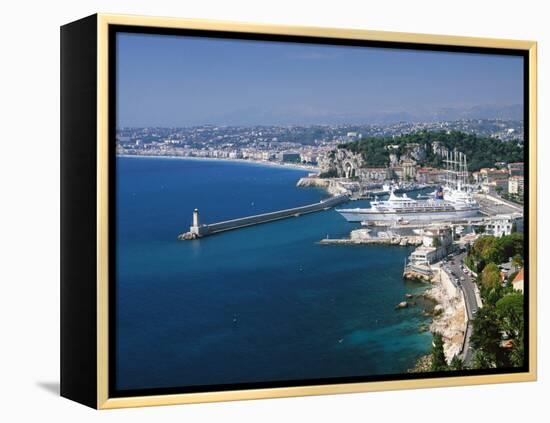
481	152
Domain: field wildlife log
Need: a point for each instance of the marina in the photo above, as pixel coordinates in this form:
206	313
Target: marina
440	225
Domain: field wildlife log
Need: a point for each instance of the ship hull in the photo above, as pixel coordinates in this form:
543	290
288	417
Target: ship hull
375	216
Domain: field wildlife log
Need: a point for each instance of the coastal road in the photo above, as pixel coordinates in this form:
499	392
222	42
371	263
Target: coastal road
454	267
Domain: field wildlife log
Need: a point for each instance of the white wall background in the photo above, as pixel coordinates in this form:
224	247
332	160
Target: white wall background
29	211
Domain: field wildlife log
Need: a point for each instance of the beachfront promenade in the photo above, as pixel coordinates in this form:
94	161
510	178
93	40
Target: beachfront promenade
198	230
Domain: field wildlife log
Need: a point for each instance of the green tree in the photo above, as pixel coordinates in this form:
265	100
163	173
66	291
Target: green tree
510	313
491	285
517	262
481	151
483	360
516	355
438	354
457	363
488	249
329	174
510	246
511	322
486	338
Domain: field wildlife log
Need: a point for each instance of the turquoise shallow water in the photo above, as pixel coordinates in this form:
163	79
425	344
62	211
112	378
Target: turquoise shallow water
264	303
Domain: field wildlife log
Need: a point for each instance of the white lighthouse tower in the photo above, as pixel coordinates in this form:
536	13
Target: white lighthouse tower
196	218
196	228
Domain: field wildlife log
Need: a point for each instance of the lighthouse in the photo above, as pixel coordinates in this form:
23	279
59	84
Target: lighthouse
196	218
195	229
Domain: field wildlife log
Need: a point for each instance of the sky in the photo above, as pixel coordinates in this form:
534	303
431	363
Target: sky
176	81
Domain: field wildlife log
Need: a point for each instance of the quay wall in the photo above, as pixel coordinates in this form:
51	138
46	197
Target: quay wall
504	202
448	285
227	225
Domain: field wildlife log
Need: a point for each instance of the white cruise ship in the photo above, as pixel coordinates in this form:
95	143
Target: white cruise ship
445	205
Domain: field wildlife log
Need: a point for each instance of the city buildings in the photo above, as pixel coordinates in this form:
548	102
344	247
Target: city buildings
500	225
313	146
515	185
494	180
289	157
436	242
515	169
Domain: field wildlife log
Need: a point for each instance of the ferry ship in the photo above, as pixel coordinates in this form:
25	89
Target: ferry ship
445	205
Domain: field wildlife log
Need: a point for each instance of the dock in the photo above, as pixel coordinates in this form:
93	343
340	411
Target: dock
492	205
402	241
198	230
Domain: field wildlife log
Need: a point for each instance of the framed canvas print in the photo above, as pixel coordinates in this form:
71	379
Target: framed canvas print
254	211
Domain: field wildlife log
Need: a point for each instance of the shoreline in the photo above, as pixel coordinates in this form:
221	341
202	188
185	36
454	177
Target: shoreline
450	317
224	159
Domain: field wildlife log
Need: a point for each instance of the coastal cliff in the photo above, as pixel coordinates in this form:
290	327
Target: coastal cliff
341	163
331	186
449	314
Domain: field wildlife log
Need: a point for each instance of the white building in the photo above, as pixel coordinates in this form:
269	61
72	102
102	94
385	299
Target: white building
436	242
515	185
500	225
437	236
353	136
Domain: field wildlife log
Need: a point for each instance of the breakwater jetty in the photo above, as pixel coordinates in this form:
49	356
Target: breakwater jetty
198	230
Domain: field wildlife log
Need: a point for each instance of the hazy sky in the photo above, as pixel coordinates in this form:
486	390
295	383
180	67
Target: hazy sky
181	81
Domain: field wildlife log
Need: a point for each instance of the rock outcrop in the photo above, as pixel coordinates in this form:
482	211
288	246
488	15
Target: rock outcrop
341	163
332	186
449	318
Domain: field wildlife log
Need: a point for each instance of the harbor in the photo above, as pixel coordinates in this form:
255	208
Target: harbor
264	282
440	226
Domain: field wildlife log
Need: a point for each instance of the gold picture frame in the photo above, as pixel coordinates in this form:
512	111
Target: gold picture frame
102	23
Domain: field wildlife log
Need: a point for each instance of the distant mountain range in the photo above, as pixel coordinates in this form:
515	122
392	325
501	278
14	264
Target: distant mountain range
512	112
295	115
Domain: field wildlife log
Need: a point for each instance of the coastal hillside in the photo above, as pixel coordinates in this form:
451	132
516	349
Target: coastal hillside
426	149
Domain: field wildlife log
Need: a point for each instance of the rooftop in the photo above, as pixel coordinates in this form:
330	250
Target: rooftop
519	276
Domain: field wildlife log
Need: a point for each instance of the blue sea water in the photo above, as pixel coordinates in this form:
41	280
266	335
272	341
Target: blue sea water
263	303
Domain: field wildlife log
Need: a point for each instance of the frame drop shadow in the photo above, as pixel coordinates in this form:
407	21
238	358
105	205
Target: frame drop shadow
51	387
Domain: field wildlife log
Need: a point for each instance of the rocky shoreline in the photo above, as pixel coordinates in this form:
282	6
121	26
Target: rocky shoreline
449	314
423	365
449	320
363	237
331	186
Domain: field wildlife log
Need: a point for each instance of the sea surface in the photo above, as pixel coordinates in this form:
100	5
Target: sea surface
263	303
